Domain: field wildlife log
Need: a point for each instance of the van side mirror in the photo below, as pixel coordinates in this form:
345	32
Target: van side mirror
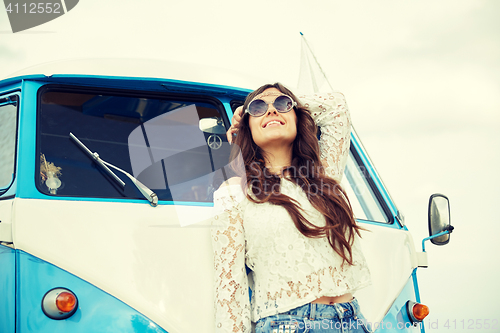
439	219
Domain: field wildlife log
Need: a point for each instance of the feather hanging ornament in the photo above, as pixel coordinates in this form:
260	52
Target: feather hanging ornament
50	174
46	167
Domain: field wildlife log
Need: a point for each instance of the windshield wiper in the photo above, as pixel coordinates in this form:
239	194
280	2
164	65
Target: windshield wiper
145	191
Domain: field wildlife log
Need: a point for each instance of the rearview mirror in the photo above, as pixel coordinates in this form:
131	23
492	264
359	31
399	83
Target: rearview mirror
212	125
439	218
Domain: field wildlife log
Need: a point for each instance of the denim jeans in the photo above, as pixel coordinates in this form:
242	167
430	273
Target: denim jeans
316	318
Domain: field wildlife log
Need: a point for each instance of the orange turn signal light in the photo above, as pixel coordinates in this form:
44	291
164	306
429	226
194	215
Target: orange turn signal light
59	303
66	301
417	311
420	311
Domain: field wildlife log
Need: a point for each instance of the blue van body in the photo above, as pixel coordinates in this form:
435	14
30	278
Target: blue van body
133	267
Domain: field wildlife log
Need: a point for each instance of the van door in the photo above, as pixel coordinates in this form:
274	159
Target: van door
8	132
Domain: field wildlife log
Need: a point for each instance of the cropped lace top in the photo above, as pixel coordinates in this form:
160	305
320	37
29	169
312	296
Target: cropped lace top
287	269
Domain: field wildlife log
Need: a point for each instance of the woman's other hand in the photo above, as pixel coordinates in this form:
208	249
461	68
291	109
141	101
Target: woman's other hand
235	124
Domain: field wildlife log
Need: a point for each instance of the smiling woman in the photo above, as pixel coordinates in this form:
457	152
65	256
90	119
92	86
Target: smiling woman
274	130
288	219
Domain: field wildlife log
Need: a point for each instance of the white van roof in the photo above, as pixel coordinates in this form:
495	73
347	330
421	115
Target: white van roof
143	68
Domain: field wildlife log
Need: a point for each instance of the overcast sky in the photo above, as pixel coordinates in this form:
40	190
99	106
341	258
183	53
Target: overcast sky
422	79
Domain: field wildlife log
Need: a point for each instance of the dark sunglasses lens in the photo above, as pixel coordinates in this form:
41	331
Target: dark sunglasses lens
257	107
283	103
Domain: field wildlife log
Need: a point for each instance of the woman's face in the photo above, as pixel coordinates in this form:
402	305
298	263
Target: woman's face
273	128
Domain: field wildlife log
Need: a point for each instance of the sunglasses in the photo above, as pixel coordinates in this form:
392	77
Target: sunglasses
282	104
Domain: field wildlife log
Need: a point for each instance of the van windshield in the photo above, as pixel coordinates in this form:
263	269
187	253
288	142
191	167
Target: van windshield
156	139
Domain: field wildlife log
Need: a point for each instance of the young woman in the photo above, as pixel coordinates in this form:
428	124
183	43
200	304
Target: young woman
288	220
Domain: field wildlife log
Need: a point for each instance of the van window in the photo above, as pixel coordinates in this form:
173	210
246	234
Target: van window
156	139
362	196
8	130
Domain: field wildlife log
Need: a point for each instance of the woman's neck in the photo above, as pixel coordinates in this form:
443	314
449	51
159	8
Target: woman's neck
277	159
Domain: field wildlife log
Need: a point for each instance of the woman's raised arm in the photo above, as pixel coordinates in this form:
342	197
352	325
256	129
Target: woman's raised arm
331	114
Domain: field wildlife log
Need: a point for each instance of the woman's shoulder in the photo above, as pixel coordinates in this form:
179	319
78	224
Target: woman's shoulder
230	182
230	189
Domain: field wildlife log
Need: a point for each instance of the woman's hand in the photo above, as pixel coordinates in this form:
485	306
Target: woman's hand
238	114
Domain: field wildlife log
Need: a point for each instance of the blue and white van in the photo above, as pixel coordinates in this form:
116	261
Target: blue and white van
107	173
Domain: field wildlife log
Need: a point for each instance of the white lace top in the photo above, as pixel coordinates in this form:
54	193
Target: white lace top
287	269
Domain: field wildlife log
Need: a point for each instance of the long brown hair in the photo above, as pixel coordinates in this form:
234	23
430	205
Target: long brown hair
324	193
